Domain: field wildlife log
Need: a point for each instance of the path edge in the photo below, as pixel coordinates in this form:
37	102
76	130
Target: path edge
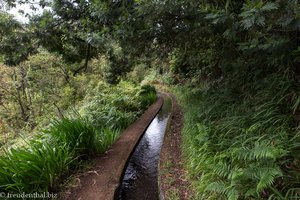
109	167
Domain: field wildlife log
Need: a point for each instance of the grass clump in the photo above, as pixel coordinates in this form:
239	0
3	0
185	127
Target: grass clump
38	168
43	164
78	134
106	137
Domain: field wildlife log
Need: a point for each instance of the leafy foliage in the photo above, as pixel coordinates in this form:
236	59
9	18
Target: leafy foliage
115	106
147	95
78	134
239	145
16	41
44	161
39	167
242	130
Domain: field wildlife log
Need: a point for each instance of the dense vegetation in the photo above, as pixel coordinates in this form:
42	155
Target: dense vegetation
52	155
53	121
234	64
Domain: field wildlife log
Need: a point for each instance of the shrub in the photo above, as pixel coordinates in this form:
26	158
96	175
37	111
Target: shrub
145	89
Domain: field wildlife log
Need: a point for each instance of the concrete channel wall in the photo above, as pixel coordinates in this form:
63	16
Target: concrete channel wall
102	181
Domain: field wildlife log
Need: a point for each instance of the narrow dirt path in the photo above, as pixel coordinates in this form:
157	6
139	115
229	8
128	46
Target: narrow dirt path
173	182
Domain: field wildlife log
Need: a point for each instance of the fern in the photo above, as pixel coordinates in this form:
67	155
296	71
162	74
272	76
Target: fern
242	146
267	177
221	188
218	187
222	169
232	193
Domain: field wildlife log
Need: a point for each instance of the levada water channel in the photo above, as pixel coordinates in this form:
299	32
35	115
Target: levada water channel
139	181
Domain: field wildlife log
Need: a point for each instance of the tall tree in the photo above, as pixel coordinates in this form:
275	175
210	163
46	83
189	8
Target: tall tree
16	40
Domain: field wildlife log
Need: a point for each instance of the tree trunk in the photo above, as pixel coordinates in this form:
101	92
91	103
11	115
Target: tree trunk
85	66
87	57
19	97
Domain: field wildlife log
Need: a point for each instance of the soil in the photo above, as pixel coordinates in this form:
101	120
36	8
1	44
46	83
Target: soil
173	177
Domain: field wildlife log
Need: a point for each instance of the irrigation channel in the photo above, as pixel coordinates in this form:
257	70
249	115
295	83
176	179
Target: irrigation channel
139	180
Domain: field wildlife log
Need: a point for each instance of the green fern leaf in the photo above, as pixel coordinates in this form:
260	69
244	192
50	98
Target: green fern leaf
218	187
269	6
232	193
267	177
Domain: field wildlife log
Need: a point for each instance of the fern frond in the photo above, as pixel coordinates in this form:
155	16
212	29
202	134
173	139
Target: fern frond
222	169
269	6
232	193
293	193
218	187
267	177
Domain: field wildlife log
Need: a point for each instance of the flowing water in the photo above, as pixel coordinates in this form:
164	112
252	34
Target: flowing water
140	178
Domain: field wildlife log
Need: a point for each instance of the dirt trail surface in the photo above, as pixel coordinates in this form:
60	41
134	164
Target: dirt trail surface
172	176
101	182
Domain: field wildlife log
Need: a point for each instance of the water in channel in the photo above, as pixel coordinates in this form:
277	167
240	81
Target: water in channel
140	178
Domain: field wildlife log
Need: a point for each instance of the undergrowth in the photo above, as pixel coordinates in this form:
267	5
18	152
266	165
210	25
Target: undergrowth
242	139
45	161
